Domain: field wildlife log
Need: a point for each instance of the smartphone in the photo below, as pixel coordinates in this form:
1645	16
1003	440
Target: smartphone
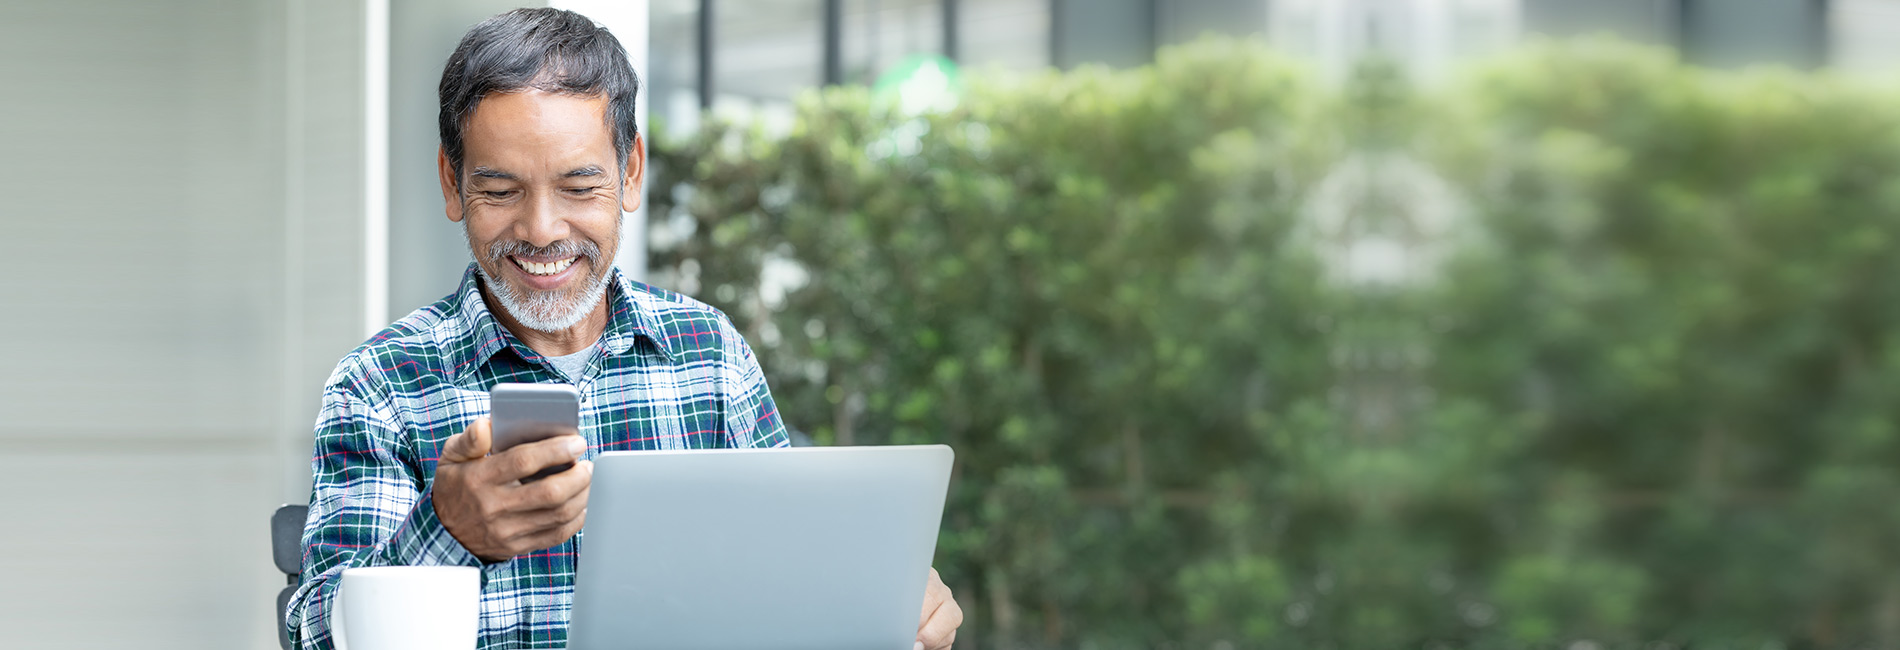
524	413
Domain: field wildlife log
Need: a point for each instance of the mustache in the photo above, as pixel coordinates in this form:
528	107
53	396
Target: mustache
563	248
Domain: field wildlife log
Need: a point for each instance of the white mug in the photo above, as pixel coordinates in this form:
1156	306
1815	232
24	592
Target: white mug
408	608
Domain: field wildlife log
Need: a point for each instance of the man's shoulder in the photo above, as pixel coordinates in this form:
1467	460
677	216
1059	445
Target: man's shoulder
418	345
684	325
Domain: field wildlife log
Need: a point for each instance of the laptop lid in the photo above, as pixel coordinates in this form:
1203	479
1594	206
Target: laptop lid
812	547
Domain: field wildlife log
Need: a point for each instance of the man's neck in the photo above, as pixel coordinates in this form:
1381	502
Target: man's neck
580	336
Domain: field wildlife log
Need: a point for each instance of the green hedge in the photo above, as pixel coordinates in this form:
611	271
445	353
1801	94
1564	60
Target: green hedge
1638	396
1685	290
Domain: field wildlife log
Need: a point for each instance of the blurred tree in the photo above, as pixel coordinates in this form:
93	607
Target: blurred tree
1083	282
1680	280
1634	391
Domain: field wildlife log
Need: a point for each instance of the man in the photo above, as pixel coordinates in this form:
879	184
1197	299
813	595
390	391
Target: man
539	157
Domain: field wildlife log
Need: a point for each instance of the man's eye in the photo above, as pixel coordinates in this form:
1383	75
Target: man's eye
577	191
498	194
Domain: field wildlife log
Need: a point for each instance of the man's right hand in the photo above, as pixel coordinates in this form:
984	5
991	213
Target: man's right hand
483	503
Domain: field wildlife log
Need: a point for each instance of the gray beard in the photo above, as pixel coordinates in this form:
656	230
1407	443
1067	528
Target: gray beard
544	311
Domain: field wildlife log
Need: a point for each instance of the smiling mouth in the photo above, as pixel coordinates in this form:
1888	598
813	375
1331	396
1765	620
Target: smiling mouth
543	268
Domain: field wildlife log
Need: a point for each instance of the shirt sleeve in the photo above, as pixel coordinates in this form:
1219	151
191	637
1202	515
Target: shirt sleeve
752	418
369	506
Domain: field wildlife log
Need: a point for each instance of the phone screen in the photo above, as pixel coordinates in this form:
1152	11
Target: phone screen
524	413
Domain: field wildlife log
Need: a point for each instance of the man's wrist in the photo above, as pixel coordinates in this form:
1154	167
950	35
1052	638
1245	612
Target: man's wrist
423	540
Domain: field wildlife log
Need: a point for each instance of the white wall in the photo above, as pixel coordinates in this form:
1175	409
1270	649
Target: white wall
187	188
426	251
182	186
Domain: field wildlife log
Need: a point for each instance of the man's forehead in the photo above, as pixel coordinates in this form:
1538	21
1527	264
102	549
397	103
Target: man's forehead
554	132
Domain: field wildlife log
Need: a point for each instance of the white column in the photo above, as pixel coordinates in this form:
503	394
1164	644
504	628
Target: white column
375	166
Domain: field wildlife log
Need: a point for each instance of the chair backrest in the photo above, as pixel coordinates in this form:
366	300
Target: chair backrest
286	549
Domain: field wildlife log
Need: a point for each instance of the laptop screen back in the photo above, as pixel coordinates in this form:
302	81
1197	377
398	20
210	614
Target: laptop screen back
817	547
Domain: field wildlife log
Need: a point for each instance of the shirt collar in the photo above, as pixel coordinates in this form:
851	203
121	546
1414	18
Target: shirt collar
480	336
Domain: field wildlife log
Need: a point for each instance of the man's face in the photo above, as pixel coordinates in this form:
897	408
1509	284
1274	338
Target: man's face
540	200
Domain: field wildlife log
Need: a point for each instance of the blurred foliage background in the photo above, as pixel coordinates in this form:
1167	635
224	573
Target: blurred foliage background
1627	386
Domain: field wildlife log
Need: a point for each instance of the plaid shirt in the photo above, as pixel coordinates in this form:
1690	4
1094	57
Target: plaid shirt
669	373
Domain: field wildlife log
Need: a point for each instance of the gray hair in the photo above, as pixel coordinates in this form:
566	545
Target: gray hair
551	50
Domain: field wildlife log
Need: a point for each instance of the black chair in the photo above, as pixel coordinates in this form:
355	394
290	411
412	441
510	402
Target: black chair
286	548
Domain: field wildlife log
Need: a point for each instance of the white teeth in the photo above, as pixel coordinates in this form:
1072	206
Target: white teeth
545	268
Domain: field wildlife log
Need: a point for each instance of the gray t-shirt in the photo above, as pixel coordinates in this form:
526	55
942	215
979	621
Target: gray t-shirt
571	366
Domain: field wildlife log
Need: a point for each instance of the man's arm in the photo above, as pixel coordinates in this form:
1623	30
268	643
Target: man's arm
752	418
368	507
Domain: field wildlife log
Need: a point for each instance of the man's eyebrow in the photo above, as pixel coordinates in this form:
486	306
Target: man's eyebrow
484	172
590	170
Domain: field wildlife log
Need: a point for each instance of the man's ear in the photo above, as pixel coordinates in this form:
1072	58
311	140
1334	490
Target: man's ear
451	190
631	187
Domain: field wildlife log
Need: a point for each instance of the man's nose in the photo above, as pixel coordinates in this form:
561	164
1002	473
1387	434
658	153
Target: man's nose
542	224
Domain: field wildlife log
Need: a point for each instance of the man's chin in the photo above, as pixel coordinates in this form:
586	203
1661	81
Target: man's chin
563	294
550	310
542	310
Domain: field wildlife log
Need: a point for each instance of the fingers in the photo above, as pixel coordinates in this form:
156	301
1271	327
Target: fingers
469	445
941	616
550	537
549	503
560	510
482	502
527	460
934	592
941	630
566	489
550	526
566	518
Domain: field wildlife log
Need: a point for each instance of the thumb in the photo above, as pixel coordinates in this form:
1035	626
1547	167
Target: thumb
469	445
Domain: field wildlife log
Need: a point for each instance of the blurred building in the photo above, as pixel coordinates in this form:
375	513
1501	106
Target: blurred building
751	57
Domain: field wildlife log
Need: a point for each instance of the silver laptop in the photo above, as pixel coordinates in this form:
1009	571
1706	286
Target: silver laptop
787	549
